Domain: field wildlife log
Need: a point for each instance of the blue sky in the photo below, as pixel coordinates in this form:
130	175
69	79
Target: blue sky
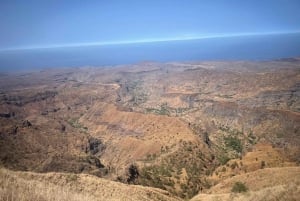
41	23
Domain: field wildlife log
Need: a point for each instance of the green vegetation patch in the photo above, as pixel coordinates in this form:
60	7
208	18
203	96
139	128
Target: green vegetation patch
76	124
234	143
223	158
182	173
71	177
156	176
239	187
163	110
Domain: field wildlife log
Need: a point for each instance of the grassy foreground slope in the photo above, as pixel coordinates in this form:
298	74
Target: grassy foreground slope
265	184
25	186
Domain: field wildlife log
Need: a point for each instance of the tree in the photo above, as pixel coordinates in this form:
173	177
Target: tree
133	174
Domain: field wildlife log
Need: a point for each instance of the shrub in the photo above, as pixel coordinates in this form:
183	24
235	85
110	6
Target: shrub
234	143
239	187
234	165
223	159
223	169
263	164
71	177
133	174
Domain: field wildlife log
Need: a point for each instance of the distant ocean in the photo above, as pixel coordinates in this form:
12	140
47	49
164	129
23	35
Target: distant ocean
265	47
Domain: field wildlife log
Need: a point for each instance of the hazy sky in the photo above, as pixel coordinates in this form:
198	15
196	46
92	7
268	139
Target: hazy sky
41	23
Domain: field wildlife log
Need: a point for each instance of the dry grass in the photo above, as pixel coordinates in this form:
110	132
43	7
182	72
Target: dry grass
266	184
260	179
263	153
15	188
289	192
27	186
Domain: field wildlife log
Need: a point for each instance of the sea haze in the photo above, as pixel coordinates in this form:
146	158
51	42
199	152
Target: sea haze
264	47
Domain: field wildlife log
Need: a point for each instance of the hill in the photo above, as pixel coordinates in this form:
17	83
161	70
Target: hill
67	186
265	184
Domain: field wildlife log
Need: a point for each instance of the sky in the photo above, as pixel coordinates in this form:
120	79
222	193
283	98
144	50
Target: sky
41	23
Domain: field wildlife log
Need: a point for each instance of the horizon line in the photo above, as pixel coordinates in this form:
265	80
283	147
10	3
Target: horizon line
124	42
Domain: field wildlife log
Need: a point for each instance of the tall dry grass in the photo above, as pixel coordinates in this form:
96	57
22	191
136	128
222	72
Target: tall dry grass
289	192
14	188
29	186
